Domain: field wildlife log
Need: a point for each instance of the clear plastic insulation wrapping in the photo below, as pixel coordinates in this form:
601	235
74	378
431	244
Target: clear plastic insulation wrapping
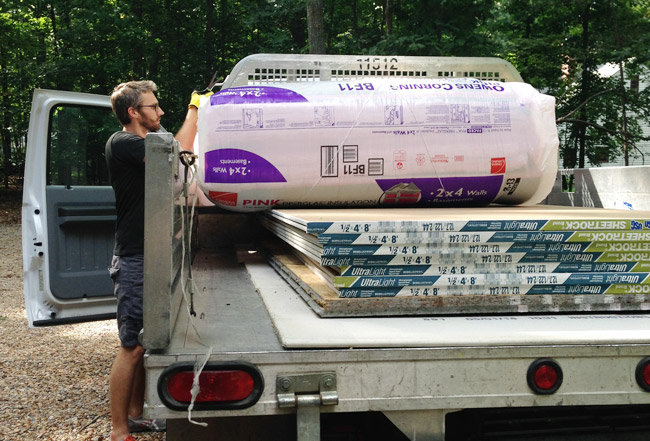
377	142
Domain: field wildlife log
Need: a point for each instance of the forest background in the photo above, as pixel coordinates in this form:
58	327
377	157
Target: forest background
558	46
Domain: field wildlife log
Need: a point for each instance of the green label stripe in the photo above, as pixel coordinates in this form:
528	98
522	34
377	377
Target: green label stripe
610	236
596	224
628	289
487	258
631	256
493	290
492	279
476	237
476	225
613	246
477	268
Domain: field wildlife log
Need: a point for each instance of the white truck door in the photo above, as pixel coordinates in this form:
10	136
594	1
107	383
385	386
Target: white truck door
68	211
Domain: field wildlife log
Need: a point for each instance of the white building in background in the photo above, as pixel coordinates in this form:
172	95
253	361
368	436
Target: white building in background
609	184
642	155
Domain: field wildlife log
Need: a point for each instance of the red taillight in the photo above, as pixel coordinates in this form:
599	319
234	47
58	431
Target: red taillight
216	386
223	385
544	376
643	374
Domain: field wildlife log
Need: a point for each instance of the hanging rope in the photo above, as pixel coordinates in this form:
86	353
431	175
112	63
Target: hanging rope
188	159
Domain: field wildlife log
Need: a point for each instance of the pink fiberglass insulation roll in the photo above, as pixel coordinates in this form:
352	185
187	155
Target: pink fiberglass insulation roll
379	142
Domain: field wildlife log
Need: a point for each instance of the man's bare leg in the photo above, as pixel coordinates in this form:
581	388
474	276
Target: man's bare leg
137	391
122	382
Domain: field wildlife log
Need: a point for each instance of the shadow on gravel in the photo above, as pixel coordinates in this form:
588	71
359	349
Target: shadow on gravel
10	203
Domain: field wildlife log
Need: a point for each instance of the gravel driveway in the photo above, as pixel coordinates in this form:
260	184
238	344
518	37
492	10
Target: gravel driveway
54	380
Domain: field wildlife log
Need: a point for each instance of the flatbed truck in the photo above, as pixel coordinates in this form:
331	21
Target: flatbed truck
270	367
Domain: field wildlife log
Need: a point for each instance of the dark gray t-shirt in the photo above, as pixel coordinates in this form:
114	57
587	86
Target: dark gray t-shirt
125	159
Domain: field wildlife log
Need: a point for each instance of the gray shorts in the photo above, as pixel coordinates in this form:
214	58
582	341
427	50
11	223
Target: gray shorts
127	273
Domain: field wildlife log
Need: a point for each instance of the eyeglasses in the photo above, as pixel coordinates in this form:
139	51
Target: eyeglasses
155	107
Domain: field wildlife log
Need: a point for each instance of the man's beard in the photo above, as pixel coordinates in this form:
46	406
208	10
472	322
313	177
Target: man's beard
152	126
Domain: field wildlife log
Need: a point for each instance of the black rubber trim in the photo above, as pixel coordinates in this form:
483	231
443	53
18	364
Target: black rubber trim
639	374
252	370
530	376
72	320
99	210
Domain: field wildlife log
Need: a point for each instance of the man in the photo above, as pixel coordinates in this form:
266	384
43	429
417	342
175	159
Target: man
136	107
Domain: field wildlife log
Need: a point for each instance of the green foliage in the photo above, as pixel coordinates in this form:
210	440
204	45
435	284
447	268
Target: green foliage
19	56
561	46
557	45
77	145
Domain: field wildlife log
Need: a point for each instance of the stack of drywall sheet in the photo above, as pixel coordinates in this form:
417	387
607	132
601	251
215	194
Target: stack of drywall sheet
452	260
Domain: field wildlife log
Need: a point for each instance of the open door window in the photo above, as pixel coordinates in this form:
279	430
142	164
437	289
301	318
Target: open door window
68	213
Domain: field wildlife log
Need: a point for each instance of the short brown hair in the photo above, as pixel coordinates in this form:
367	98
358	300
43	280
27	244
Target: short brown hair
127	95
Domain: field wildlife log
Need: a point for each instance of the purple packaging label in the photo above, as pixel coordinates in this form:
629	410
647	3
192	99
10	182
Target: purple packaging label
440	190
234	166
255	95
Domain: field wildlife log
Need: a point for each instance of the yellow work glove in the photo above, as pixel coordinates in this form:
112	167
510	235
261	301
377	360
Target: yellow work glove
195	99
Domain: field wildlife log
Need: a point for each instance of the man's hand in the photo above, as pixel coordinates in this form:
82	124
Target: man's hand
195	99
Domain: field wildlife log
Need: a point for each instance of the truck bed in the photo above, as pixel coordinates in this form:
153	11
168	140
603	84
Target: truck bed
248	306
248	312
230	315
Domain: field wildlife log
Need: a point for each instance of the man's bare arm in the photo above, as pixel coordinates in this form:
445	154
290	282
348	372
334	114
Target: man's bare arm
186	134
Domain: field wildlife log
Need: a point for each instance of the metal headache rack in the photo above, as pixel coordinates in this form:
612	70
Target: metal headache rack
260	69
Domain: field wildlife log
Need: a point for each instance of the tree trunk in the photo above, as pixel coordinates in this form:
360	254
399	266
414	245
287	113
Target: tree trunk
388	17
355	20
623	93
331	32
6	119
626	150
315	27
138	56
55	32
224	49
209	38
586	83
